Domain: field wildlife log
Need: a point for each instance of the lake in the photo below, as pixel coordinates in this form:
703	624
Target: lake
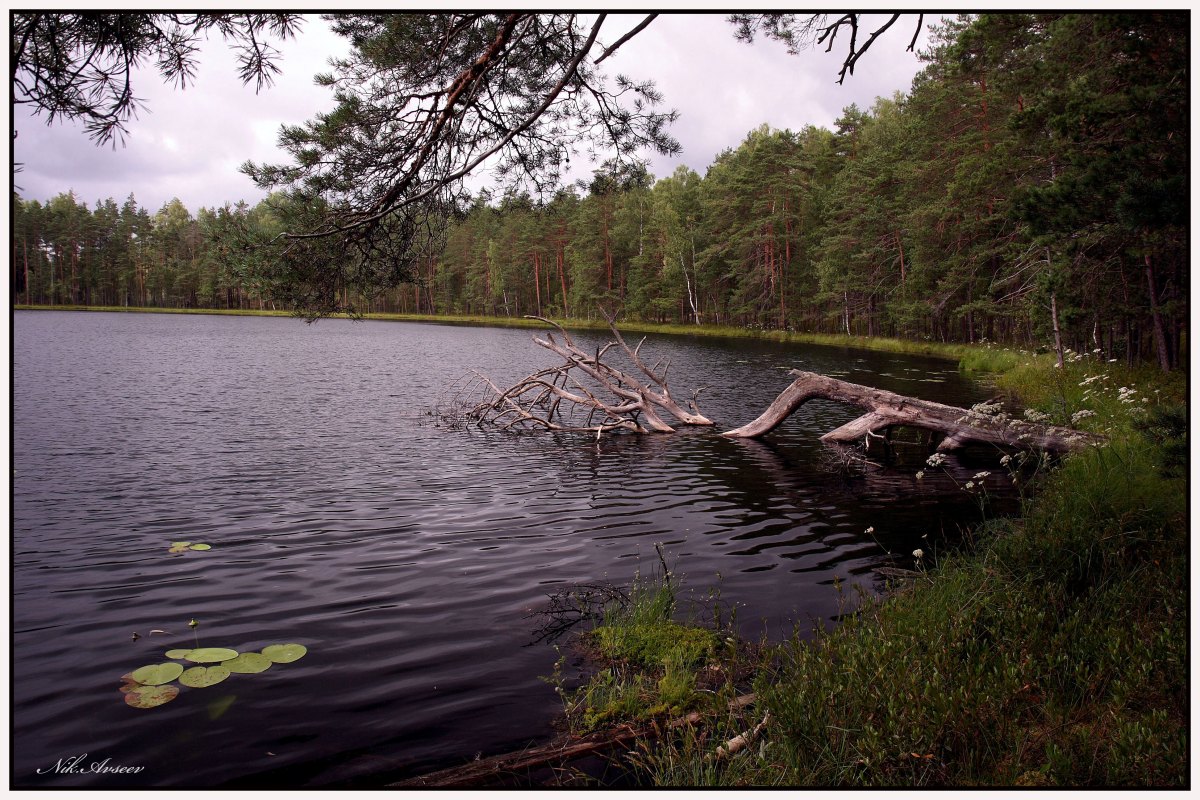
407	555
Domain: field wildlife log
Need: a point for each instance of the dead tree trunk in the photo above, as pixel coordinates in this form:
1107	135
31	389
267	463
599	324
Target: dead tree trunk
886	409
609	399
491	771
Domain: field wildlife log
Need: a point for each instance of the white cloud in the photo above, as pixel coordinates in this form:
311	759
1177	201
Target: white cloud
187	143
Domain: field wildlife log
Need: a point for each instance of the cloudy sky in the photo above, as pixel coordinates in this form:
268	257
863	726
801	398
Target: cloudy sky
188	144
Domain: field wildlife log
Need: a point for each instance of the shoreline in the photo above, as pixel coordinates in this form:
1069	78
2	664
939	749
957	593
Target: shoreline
998	358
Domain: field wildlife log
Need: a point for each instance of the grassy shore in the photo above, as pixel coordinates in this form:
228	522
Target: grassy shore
1048	650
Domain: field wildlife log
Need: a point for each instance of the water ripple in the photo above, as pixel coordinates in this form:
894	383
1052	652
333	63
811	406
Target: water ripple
408	558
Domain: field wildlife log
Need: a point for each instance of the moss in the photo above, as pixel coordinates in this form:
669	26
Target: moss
649	645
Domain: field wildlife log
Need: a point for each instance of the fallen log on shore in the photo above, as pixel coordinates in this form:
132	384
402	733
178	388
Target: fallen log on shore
491	771
959	426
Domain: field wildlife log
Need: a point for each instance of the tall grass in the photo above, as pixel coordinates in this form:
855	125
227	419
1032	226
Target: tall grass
1050	651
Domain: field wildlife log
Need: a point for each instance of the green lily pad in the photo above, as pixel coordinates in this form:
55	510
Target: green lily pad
200	677
157	674
201	547
128	684
285	653
178	653
177	550
151	696
210	655
180	544
247	663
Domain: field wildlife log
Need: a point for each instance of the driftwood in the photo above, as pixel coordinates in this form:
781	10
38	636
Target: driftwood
564	748
885	409
585	393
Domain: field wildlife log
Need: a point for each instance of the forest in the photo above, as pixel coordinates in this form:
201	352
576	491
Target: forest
1032	183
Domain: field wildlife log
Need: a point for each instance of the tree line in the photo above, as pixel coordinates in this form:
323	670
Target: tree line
122	255
1031	186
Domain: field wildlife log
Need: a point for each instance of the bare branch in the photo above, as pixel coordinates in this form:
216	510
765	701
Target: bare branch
537	400
636	30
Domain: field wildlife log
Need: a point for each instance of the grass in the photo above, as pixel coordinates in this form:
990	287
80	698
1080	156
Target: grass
1049	650
646	665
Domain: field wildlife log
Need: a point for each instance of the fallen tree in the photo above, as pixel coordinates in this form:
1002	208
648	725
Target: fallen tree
886	410
585	393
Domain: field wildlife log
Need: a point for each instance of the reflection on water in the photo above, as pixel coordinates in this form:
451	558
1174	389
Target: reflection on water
406	555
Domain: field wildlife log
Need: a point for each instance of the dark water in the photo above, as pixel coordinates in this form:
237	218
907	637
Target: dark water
405	555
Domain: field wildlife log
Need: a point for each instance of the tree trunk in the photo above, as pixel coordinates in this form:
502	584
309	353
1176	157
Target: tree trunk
562	278
1058	345
1160	338
537	281
26	244
885	409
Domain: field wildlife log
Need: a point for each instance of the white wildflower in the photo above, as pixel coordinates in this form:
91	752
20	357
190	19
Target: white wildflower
990	409
936	460
1081	415
970	485
1033	415
870	529
919	553
981	475
1005	460
920	474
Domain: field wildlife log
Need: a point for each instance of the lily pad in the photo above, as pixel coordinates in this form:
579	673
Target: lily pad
201	547
128	684
210	655
285	653
200	677
247	663
178	653
180	544
157	674
177	550
151	696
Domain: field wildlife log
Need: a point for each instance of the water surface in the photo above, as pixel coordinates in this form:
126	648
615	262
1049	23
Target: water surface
406	554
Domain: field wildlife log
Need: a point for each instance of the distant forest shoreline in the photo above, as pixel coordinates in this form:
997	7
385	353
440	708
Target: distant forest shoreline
1031	186
983	356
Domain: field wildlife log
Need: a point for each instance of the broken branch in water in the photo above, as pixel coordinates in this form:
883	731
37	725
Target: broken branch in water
585	393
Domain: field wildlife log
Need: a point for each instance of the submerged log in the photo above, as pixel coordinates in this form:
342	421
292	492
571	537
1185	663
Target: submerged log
886	409
490	771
